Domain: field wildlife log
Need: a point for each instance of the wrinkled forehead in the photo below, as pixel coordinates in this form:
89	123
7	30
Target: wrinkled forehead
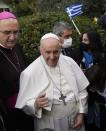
8	23
8	20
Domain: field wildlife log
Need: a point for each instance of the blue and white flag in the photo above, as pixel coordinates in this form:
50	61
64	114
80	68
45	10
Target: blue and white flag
74	10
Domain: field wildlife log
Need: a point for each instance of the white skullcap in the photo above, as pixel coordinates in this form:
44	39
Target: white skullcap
50	35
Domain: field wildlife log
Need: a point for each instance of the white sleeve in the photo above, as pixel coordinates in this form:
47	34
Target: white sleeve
29	91
26	97
82	83
29	109
83	101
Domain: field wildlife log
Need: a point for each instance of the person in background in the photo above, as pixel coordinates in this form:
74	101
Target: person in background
11	64
90	49
64	31
57	95
89	56
102	23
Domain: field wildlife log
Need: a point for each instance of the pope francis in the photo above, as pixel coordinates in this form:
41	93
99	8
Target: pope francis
53	89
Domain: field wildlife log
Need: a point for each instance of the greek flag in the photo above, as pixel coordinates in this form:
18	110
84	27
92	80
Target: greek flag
74	10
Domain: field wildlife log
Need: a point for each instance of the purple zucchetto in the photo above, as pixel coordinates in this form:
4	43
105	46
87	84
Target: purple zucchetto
6	15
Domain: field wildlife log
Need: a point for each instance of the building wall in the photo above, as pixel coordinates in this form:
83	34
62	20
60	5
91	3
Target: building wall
4	7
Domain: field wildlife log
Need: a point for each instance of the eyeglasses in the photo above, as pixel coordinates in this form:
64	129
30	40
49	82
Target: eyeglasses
10	32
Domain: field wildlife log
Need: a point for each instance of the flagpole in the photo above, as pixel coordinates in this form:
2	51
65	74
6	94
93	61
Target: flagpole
76	27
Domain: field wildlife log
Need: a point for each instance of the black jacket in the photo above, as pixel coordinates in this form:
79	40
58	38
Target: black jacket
68	52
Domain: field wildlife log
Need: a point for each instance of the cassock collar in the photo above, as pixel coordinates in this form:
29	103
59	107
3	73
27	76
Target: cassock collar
5	47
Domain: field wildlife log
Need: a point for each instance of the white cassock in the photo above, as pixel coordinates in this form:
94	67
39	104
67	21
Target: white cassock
38	77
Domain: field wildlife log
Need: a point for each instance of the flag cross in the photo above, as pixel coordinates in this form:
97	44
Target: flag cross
69	11
74	10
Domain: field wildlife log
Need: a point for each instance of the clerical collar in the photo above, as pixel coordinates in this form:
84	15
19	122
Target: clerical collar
4	46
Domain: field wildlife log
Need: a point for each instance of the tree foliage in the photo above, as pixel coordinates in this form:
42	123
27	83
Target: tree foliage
94	7
54	5
91	8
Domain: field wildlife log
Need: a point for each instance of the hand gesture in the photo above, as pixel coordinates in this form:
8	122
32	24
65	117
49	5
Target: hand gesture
41	101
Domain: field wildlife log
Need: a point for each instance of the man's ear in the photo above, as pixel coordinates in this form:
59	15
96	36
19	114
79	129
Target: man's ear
61	40
40	49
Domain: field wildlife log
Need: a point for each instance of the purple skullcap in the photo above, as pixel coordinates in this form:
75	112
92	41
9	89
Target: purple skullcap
6	15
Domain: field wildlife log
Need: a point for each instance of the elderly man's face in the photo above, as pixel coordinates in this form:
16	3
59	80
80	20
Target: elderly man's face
8	32
50	50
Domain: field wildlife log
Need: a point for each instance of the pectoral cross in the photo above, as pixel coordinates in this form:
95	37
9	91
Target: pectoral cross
62	97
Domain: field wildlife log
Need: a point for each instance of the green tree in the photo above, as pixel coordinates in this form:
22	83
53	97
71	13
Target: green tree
54	5
91	8
9	2
21	7
94	7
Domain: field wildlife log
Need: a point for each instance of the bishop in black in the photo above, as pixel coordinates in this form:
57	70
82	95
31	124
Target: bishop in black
11	64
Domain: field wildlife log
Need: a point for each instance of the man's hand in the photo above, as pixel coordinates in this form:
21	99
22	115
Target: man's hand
41	101
78	122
